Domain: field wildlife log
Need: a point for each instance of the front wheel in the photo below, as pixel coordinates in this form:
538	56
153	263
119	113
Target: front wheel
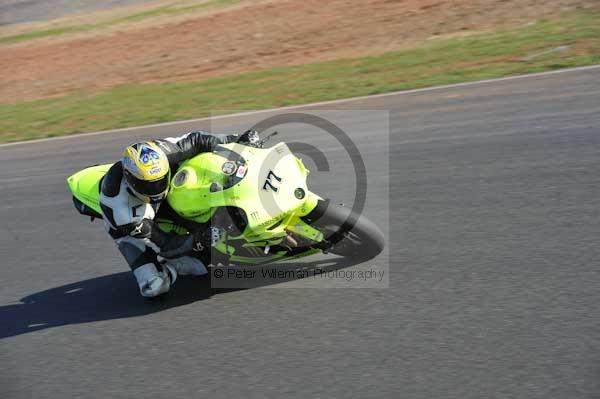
347	233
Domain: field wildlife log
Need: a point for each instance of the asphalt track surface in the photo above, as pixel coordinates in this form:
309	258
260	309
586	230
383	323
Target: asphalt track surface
494	286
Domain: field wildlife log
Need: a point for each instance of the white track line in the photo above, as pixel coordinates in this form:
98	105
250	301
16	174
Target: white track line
351	99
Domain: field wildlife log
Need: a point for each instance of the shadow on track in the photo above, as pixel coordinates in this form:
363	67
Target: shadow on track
116	296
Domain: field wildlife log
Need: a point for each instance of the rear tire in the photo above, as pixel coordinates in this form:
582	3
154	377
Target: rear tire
351	235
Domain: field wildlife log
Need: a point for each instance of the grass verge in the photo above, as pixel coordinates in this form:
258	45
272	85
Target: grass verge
571	40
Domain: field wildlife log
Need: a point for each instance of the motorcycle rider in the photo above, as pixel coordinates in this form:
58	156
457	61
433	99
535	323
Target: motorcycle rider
131	193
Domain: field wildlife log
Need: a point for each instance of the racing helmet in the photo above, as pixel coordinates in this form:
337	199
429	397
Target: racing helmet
146	171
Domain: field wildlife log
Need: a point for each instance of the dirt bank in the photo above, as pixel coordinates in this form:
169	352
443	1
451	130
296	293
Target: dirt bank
246	38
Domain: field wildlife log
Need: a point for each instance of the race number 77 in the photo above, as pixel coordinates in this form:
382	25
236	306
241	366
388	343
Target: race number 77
269	183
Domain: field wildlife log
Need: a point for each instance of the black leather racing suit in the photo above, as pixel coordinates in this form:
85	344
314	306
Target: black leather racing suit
129	221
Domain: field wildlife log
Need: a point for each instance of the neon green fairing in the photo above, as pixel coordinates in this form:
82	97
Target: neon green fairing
191	196
85	185
272	191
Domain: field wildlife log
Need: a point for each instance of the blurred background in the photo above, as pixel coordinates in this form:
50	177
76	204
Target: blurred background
80	66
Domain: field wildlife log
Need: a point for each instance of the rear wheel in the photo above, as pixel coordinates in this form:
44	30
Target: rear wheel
348	234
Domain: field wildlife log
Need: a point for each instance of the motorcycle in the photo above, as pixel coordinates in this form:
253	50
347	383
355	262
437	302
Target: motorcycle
256	204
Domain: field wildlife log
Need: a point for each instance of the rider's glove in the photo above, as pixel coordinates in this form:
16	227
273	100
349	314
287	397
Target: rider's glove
249	137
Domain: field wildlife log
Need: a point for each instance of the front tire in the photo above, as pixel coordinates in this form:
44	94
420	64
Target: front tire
349	234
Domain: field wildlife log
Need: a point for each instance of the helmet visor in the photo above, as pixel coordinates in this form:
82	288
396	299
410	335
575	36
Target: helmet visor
154	191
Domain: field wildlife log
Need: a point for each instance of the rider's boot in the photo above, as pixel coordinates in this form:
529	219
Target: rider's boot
154	281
